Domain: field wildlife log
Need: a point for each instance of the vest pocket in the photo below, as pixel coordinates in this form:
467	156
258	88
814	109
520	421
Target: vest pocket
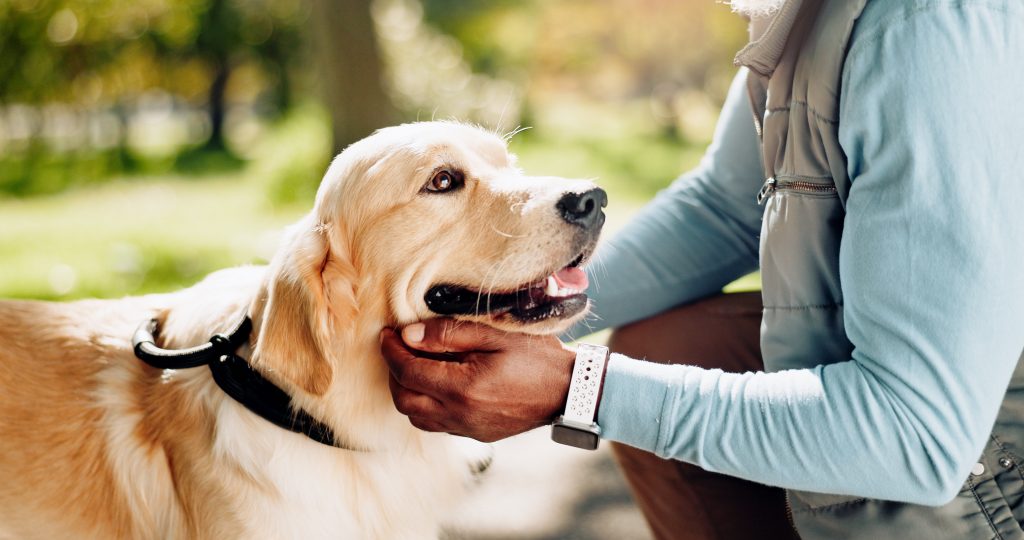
803	187
800	237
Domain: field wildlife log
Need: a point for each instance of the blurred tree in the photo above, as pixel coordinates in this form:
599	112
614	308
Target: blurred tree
91	88
482	27
68	68
577	54
353	73
232	33
219	36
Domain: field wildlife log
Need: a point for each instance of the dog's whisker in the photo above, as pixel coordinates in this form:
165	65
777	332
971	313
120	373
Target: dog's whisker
494	279
599	269
490	286
480	292
519	129
505	234
504	109
493	270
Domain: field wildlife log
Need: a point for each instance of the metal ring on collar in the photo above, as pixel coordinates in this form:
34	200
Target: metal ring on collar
144	344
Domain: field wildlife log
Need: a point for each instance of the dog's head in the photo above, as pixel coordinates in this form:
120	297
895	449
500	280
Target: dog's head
435	219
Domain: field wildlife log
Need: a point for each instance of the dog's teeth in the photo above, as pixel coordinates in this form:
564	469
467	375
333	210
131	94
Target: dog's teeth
552	287
553	290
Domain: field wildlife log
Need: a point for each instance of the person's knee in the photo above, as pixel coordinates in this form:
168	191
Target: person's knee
633	340
716	332
655	336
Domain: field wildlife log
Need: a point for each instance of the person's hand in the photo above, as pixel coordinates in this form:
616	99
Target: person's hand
472	380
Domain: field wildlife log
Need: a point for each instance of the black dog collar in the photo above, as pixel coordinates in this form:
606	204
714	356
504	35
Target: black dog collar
235	377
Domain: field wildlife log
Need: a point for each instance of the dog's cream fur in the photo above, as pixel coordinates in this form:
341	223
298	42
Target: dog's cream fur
96	444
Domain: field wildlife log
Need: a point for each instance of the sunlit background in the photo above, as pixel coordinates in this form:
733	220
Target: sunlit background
146	143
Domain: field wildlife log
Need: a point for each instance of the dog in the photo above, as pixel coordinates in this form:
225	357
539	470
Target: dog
415	221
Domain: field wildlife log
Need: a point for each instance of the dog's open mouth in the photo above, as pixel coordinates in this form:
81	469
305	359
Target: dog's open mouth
558	295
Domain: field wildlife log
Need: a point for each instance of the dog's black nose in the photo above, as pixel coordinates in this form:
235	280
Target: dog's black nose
583	209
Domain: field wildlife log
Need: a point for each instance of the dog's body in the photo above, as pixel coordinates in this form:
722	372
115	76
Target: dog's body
96	444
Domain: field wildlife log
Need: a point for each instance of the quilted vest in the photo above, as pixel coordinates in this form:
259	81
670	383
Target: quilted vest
795	62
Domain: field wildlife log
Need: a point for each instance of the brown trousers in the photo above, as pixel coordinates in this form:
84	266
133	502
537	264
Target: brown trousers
683	501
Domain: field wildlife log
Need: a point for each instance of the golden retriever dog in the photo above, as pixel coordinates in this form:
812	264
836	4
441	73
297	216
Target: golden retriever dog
415	221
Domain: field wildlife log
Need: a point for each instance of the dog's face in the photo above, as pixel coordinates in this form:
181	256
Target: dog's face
439	214
419	221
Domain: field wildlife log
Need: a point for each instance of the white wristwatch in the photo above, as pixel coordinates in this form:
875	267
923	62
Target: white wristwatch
576	427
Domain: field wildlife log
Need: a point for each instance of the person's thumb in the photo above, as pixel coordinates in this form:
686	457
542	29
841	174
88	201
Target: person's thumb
449	335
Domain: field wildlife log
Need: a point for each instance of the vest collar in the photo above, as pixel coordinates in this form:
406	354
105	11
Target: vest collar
768	36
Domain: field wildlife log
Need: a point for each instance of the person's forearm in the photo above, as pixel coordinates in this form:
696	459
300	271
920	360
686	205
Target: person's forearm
835	429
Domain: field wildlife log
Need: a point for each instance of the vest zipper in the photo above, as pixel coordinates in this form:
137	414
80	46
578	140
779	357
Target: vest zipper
772	185
789	515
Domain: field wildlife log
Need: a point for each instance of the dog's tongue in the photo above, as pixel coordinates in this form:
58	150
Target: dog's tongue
571	278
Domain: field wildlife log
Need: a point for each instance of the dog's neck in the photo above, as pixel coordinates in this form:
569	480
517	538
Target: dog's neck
355	401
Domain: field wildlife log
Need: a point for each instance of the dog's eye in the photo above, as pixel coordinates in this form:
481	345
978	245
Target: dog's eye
444	180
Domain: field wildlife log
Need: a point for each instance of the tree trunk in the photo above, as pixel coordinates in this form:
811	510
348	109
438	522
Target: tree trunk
353	72
217	106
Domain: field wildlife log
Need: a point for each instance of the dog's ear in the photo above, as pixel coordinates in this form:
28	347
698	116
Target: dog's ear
294	311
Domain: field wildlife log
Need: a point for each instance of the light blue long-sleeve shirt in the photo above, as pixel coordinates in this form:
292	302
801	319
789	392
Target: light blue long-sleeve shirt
931	265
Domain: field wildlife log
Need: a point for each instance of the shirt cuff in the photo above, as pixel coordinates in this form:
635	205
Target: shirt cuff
633	400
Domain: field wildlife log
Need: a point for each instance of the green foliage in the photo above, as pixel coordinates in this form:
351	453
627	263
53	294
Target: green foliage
105	51
74	62
635	167
612	49
294	157
204	160
496	34
74	72
38	172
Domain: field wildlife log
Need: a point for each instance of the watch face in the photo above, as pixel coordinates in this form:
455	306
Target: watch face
575	437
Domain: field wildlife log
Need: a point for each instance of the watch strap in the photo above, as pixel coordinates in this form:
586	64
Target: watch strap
585	385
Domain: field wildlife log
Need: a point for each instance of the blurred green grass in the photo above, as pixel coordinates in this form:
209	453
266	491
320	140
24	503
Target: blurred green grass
159	233
132	237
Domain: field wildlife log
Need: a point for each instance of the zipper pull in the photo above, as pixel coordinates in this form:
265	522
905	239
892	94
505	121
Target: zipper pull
766	190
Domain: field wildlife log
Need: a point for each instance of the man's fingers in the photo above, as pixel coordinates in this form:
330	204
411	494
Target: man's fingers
422	375
424	412
428	424
449	335
411	403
